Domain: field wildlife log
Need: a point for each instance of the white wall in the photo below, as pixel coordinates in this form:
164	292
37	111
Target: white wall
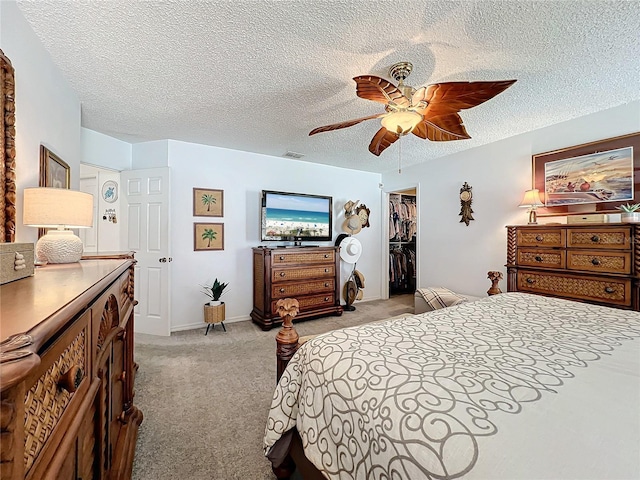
47	108
150	155
242	176
105	151
453	255
107	233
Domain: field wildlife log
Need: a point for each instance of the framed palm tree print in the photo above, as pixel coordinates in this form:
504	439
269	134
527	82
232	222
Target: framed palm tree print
207	202
208	236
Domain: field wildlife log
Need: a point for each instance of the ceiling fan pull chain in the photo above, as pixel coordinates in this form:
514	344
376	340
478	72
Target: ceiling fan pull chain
399	154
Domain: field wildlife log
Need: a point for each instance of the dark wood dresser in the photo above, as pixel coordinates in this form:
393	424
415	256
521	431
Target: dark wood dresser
67	373
309	274
597	263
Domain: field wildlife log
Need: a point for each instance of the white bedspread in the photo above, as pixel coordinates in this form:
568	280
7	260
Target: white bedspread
513	386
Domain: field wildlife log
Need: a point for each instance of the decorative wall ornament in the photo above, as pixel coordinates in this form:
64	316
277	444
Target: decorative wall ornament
465	204
110	191
7	151
363	212
208	236
208	202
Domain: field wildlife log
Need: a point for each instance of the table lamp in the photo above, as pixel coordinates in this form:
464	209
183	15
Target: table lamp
532	201
61	209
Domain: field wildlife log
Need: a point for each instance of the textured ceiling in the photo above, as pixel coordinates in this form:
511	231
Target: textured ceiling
259	75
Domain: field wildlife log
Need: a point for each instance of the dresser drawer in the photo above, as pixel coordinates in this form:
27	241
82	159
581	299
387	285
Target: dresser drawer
599	289
538	257
541	238
283	290
618	238
61	376
285	274
286	258
599	261
312	302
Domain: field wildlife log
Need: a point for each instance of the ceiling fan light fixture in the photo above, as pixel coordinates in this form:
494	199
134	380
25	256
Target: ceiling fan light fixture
401	122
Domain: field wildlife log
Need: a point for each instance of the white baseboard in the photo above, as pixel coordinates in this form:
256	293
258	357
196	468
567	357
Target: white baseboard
195	325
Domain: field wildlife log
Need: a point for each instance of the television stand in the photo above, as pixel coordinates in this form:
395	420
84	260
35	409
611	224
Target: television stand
310	274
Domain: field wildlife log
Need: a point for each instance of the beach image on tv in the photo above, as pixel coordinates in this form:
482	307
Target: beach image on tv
295	216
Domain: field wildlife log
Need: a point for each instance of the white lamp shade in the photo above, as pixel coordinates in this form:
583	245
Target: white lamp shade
57	207
531	199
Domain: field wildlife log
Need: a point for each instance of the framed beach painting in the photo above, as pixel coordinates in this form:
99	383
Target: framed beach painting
208	202
593	177
208	236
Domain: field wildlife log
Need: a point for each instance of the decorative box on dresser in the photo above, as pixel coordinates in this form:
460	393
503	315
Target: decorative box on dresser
311	275
67	372
596	263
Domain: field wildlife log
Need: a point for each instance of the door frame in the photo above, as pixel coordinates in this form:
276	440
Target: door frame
385	233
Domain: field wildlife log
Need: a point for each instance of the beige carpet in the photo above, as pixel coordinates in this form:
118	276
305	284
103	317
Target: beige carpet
205	398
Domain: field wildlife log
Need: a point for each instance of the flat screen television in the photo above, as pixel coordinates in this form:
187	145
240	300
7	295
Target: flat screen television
297	217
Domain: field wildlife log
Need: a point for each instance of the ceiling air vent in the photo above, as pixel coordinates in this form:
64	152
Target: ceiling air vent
293	155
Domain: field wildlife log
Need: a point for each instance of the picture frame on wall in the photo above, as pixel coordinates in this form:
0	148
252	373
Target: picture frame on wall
594	177
54	172
208	236
208	202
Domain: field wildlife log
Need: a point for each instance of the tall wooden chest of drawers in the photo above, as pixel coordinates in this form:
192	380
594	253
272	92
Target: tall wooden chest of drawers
592	263
311	275
67	370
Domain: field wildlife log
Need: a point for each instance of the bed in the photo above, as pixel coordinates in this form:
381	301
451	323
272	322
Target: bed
512	386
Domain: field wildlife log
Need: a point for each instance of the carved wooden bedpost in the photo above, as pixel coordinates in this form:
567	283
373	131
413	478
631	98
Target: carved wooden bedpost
287	337
495	277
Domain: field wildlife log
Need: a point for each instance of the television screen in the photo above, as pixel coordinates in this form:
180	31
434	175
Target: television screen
296	216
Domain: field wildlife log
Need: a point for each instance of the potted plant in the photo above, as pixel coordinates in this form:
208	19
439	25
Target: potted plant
630	212
214	311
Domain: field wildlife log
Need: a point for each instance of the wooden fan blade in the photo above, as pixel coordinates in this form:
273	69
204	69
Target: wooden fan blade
442	129
381	140
451	97
379	90
348	123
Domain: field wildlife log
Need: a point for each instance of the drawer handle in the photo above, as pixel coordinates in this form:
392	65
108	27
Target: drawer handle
282	290
595	261
326	284
609	289
281	257
530	281
595	238
282	274
539	238
326	255
326	299
326	270
70	380
538	258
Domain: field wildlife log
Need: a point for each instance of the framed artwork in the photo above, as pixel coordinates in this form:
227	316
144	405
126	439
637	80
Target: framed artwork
54	172
593	177
208	202
110	191
208	236
7	151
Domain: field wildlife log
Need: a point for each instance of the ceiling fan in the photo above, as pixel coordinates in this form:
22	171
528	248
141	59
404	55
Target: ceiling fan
429	112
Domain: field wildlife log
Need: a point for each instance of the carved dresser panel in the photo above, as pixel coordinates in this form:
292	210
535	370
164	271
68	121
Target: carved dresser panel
66	363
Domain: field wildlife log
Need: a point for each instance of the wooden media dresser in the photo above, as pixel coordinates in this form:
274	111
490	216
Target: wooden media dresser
67	372
597	263
309	274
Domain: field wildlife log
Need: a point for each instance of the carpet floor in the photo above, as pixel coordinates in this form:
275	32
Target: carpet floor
205	399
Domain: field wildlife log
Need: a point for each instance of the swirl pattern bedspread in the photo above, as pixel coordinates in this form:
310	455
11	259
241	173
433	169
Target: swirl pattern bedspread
512	386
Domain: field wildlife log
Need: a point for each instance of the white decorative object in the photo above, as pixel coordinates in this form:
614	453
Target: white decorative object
19	263
58	208
110	191
630	217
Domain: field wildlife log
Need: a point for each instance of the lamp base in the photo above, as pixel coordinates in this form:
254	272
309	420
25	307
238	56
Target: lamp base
59	246
533	217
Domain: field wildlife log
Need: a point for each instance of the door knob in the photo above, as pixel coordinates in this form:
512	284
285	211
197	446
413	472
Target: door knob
163	260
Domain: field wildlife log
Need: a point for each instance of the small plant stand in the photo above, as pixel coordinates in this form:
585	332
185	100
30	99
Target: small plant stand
214	314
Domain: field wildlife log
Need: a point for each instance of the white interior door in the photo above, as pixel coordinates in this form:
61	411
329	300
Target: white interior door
145	211
89	236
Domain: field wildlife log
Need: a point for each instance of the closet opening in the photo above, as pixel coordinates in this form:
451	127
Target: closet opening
403	231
